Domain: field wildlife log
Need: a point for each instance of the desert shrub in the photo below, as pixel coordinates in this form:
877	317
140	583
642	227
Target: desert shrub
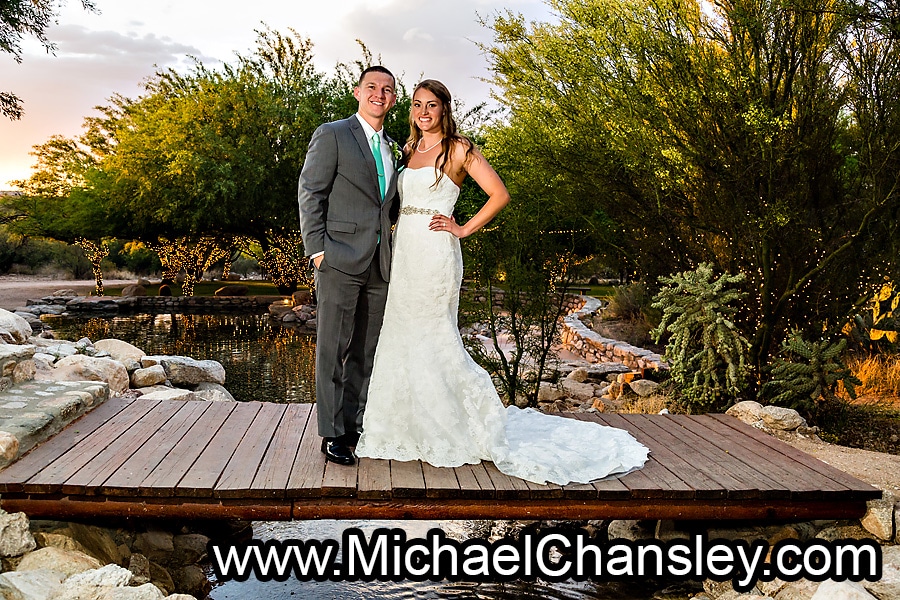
879	374
705	350
629	302
808	373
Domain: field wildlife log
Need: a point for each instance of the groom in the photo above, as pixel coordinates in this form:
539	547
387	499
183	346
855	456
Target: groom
348	200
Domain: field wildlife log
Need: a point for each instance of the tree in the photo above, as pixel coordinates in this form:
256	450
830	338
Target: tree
755	135
20	18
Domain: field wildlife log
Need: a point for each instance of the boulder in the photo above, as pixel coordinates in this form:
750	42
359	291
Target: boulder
133	290
13	328
213	392
888	587
15	536
119	350
747	411
301	298
879	517
47	539
579	391
192	579
87	368
841	590
155	545
9	447
234	277
182	370
579	375
149	376
99	542
780	418
232	290
548	392
139	565
798	590
643	387
29	585
106	576
68	562
171	394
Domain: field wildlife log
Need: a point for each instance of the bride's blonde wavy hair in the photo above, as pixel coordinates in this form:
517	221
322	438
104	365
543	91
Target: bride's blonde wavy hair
448	126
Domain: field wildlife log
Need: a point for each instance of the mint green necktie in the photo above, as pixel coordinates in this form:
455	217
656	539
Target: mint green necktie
379	162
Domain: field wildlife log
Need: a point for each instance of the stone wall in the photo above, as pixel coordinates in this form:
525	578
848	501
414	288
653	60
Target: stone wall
587	343
157	303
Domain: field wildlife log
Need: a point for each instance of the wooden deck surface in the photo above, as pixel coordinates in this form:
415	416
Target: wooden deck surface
262	461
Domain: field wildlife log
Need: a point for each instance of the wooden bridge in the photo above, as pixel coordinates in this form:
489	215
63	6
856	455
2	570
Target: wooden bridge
253	460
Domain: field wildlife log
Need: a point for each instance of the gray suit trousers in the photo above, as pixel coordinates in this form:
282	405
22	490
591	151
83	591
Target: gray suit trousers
349	307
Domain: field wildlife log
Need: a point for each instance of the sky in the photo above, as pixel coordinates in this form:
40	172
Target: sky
112	52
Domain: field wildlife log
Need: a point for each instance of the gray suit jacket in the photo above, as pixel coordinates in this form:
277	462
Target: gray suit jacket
341	212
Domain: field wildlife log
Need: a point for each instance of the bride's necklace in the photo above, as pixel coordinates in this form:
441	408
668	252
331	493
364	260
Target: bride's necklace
419	145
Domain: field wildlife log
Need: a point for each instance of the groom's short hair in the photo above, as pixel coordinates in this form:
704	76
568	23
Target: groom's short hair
376	69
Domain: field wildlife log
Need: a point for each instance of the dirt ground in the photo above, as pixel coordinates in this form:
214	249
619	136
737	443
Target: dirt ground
16	289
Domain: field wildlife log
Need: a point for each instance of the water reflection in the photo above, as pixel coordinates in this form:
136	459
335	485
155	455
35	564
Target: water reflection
263	360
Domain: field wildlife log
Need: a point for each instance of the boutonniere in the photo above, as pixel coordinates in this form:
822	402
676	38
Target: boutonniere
396	152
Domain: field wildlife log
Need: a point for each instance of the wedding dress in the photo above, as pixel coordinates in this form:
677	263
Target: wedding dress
428	400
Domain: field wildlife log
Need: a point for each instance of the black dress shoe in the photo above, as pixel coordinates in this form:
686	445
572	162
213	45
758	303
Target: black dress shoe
336	451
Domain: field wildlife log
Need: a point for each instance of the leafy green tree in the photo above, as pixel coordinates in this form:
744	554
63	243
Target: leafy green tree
758	136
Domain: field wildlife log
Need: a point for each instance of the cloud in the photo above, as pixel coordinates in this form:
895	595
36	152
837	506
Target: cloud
59	91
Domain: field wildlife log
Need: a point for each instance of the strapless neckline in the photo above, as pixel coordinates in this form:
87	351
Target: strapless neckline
450	179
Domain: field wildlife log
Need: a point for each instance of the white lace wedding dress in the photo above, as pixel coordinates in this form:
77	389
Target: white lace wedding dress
428	400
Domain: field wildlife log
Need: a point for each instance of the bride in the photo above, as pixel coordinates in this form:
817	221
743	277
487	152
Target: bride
427	399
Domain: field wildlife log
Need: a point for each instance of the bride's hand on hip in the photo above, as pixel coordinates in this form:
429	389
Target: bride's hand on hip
443	223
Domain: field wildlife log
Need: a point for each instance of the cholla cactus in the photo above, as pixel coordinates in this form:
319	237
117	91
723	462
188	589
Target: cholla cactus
706	351
808	373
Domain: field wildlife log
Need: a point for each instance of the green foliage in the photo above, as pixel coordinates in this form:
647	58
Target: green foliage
807	374
630	302
760	136
706	351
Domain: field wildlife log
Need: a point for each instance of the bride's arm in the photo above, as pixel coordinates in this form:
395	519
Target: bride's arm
477	166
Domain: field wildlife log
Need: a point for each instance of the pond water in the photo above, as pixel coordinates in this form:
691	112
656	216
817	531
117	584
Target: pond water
263	360
267	362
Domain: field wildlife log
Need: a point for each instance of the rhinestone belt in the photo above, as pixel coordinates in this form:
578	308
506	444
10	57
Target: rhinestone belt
415	210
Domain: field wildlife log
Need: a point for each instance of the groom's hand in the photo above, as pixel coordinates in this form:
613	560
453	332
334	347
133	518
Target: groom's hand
317	261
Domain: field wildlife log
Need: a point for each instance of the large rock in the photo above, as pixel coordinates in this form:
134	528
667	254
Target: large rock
149	376
88	368
784	419
548	392
579	375
176	394
888	587
192	579
213	392
643	387
29	585
15	536
68	562
841	590
13	328
133	290
98	541
155	545
879	517
747	411
579	391
106	576
183	370
119	350
47	539
9	447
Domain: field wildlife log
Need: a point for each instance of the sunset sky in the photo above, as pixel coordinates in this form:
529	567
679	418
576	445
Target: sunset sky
112	52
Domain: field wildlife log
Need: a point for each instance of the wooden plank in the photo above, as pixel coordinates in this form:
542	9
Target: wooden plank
484	481
275	469
238	474
201	477
802	483
340	480
440	482
39	457
374	479
548	490
672	451
468	483
506	487
739	479
803	458
127	478
92	475
407	480
51	478
306	476
653	480
161	481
